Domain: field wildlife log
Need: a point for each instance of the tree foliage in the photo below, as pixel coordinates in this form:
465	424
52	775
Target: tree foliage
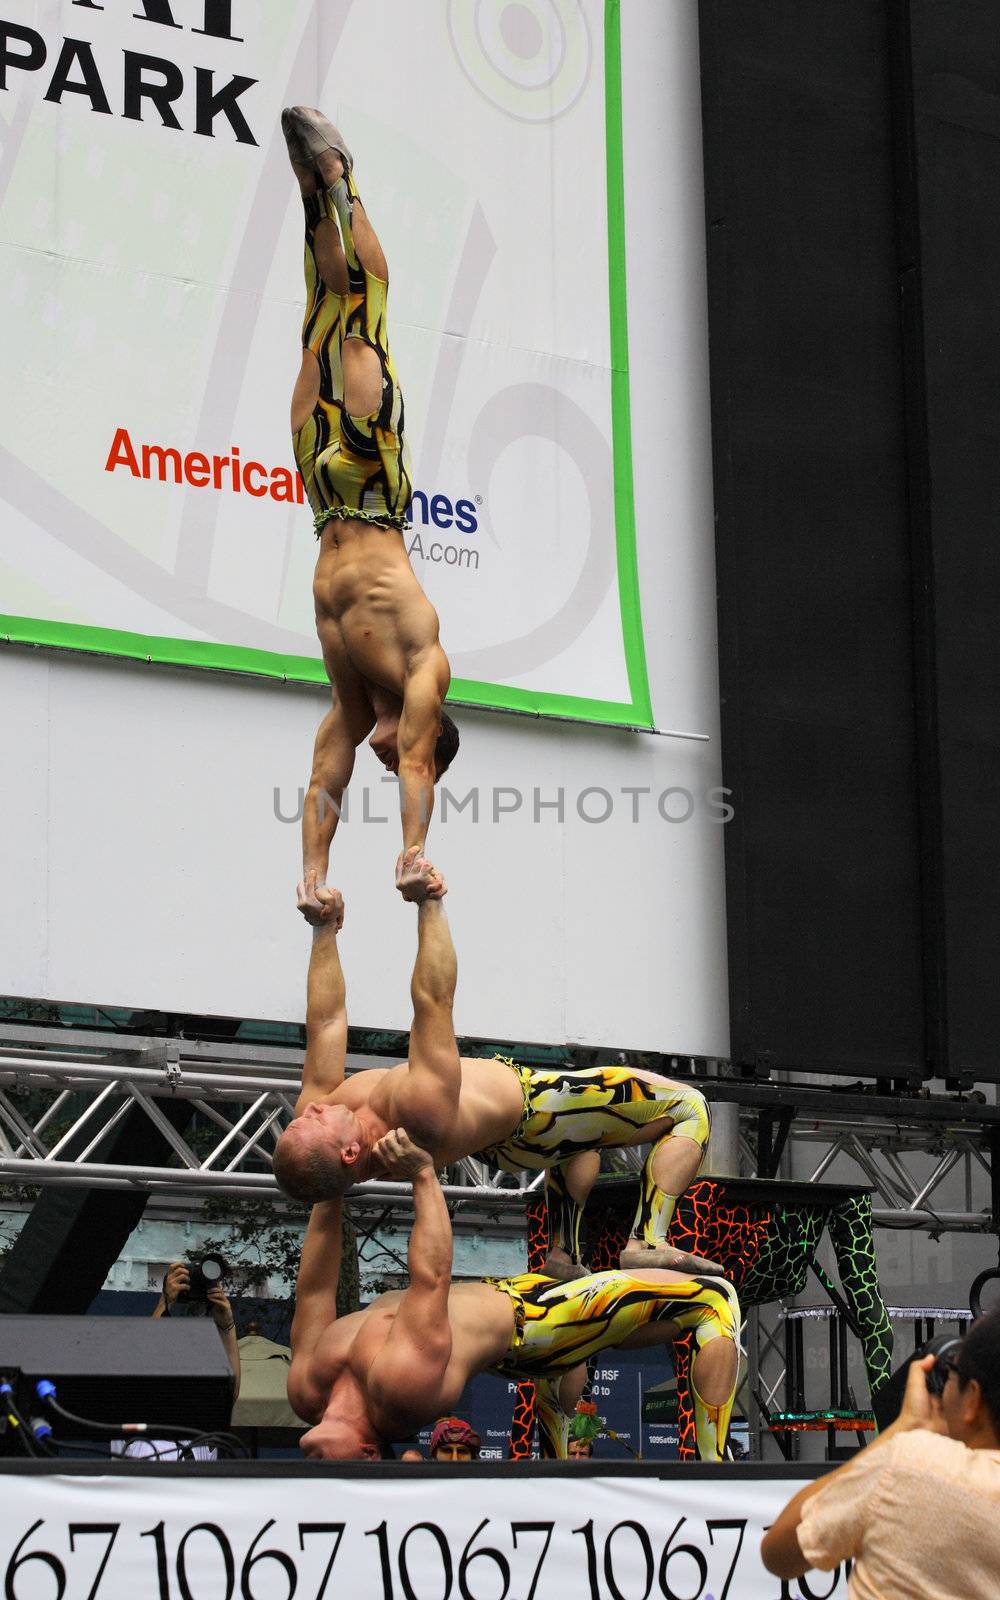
260	1240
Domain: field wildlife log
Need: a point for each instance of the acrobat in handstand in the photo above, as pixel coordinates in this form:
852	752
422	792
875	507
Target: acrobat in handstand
377	629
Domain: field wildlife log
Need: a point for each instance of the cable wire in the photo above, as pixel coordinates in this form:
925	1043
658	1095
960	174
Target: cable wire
145	1431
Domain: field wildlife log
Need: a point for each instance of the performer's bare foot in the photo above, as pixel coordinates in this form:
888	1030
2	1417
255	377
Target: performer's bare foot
638	1256
417	879
559	1264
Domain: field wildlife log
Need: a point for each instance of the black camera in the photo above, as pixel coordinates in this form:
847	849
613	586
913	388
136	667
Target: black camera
205	1272
944	1362
888	1402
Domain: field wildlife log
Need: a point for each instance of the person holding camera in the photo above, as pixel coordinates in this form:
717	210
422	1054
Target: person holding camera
919	1510
177	1283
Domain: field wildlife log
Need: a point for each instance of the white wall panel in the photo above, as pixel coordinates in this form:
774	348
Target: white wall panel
24	824
144	865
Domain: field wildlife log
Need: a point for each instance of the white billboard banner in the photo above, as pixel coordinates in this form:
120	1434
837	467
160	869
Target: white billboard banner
151	283
433	1534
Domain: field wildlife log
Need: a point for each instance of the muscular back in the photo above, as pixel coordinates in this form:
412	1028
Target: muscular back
490	1105
372	617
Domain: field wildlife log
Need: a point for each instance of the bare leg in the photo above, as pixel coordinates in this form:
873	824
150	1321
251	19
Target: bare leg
714	1371
675	1163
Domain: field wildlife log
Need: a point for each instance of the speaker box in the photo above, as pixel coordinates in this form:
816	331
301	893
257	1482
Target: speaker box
853	331
171	1371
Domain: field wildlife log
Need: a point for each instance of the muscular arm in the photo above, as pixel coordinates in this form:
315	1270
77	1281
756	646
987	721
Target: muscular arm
315	1294
326	1016
409	1370
419	725
333	763
427	1103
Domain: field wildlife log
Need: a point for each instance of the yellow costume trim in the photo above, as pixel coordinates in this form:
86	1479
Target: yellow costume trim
352	514
558	1325
566	1112
352	467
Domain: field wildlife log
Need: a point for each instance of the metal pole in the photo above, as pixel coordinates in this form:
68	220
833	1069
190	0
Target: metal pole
723	1159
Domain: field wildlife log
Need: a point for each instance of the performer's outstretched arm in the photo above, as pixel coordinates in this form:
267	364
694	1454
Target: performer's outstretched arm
326	1006
333	764
346	724
428	1101
412	1364
315	1297
424	689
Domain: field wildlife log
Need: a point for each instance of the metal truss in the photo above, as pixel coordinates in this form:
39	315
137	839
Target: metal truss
63	1093
932	1164
803	1130
884	1158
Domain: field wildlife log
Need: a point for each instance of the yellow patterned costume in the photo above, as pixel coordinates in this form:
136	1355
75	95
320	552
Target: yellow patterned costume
355	468
558	1325
566	1112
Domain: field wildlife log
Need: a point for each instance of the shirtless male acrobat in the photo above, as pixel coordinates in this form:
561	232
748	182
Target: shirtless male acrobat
517	1118
377	629
380	1374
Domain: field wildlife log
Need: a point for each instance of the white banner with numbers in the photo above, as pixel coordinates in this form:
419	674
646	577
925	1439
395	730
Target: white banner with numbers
436	1535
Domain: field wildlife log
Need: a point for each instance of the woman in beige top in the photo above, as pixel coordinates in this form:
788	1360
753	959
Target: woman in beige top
919	1510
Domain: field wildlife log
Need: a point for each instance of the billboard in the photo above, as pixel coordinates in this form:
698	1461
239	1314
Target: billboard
151	241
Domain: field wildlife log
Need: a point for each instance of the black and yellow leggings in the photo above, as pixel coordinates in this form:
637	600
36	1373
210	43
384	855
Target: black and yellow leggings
566	1112
352	467
559	1325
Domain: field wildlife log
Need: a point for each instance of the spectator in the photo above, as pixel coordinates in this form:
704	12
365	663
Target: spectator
579	1449
919	1510
177	1280
411	1455
453	1440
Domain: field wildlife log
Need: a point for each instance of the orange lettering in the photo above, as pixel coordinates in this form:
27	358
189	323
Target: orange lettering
121	454
157	453
281	479
196	469
254	467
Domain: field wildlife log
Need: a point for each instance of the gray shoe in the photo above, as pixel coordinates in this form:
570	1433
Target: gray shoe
308	134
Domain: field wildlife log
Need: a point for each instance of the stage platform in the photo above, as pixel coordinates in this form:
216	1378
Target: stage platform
496	1531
